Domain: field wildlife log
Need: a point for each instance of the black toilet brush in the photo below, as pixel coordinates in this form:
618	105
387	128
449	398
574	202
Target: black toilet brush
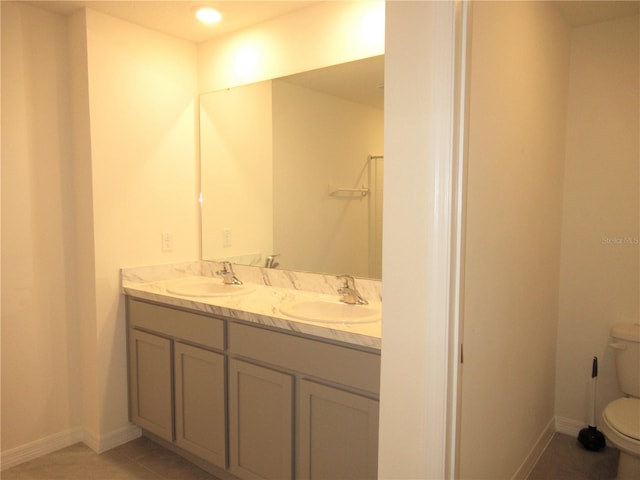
591	438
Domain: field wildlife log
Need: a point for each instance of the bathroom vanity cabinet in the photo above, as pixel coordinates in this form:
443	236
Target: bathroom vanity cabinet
328	392
177	378
258	402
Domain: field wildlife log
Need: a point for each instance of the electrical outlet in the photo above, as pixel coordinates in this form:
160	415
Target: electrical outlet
167	242
226	237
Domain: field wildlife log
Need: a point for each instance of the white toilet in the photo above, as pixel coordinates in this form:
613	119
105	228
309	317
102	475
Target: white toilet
621	417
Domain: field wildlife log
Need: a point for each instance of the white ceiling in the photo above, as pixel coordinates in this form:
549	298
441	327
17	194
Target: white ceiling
176	17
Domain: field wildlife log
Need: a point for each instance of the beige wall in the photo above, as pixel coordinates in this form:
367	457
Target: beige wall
518	98
142	106
325	33
68	227
84	280
599	280
40	356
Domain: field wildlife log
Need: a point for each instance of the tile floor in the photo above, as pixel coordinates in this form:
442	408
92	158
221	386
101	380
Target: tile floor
564	459
139	459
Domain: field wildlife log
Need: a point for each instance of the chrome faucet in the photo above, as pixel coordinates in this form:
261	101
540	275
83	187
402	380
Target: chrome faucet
271	261
228	277
348	292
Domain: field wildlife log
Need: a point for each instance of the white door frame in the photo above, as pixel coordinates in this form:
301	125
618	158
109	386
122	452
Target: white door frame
424	176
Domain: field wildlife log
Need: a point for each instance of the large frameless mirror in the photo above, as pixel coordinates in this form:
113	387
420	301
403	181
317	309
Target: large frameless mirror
293	167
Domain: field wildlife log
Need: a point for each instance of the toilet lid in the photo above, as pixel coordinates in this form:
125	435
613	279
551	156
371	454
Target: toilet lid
623	414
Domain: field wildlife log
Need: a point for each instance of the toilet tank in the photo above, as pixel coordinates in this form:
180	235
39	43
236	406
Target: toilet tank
626	345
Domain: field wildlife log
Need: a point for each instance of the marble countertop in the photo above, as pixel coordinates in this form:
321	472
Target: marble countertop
259	306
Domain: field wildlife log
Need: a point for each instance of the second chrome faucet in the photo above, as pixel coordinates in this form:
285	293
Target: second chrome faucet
228	277
349	293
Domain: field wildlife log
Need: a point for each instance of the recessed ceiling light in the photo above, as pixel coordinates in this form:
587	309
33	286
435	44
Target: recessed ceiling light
208	15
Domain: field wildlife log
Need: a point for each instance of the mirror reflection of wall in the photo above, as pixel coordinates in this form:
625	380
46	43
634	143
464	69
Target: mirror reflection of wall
273	152
236	173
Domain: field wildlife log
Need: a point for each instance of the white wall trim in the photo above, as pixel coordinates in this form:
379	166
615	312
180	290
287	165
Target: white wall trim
112	439
461	74
37	448
536	451
558	424
52	443
420	245
568	426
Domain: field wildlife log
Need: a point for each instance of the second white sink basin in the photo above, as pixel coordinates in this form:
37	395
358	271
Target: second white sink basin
207	287
326	311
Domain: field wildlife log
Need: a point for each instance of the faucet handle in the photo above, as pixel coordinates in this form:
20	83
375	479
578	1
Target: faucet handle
348	280
271	261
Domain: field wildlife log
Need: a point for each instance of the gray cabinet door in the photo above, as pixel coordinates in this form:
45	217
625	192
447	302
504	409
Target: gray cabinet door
337	434
260	422
151	385
200	403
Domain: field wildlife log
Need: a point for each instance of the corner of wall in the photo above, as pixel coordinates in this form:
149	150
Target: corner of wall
536	451
102	443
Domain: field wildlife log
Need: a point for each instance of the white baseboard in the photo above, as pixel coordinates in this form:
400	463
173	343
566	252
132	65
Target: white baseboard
110	440
536	452
569	426
37	448
43	446
559	424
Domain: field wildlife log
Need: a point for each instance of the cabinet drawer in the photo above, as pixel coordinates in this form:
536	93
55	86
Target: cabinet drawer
182	325
338	364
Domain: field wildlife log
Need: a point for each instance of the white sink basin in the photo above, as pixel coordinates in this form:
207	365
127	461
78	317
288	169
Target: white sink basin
207	287
327	311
